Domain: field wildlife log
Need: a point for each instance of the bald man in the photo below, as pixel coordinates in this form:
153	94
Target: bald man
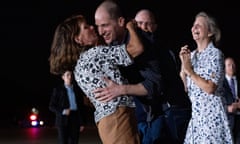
146	20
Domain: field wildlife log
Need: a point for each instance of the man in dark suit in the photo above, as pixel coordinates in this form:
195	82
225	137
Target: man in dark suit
68	105
231	94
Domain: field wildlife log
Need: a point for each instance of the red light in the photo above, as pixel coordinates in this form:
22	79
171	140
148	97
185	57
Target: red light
33	117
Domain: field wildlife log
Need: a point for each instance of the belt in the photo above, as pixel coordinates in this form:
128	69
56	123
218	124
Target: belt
167	106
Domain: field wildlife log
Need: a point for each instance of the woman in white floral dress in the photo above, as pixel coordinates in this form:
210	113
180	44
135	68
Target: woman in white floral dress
202	73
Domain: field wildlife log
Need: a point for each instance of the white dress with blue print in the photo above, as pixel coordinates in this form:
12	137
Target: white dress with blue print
209	123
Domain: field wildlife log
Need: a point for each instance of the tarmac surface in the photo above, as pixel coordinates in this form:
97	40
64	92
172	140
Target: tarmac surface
44	135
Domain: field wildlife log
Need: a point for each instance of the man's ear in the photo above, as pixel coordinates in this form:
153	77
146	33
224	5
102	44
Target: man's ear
121	21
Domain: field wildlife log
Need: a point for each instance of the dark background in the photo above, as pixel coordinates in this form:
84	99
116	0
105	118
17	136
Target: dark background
27	29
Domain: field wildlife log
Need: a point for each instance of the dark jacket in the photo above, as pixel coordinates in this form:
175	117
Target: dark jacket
227	92
59	101
172	86
146	70
162	70
173	91
229	99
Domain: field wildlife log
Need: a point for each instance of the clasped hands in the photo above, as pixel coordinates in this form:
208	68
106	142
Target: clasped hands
185	57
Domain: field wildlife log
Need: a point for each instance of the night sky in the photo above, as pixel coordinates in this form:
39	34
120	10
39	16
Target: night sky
27	30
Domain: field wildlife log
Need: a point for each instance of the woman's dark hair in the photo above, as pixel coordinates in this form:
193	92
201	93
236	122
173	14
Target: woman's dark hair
64	49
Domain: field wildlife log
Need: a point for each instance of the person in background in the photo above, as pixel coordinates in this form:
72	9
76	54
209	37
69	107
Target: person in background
231	93
78	47
144	75
202	72
68	105
146	20
176	104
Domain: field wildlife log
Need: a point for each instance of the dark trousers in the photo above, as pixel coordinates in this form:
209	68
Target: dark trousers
176	123
151	132
68	133
236	129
